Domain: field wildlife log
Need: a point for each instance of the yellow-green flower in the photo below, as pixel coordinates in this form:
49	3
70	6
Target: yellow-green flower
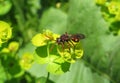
13	46
114	7
5	32
5	6
69	51
26	61
117	16
71	54
41	39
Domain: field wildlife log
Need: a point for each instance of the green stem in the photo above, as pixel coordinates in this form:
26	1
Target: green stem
20	17
48	75
20	14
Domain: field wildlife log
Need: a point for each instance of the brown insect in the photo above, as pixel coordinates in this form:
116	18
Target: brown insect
66	38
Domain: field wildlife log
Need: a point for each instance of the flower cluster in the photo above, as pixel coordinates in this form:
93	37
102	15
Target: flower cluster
49	51
12	47
69	53
5	32
26	61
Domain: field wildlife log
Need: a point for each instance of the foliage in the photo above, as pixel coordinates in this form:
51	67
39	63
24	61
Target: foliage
29	52
111	13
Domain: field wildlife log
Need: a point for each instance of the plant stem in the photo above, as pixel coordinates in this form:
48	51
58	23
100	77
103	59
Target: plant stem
48	75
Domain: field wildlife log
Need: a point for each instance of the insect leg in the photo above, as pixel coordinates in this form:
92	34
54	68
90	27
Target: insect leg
73	45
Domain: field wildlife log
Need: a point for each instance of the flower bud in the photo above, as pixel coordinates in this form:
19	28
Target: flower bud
13	46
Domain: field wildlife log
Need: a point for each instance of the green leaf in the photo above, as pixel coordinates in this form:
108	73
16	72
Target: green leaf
41	55
57	65
5	7
12	66
54	68
2	76
38	70
54	19
79	73
42	51
28	48
114	61
86	18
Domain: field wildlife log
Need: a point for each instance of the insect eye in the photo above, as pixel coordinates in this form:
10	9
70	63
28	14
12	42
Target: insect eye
76	40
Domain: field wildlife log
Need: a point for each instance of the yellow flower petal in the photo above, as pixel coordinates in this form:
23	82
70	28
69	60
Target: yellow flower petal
39	40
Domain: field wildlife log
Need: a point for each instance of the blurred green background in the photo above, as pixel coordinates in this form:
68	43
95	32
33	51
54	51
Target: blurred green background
101	60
